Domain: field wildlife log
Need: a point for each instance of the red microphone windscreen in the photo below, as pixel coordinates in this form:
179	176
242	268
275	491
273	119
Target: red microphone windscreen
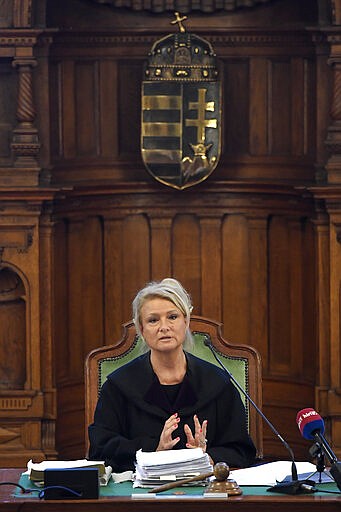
309	421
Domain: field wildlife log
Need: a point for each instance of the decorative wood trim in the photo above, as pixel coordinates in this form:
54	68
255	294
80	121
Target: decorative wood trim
251	37
18	237
187	6
20	403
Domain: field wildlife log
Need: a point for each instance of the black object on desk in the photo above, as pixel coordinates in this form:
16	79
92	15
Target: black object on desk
79	483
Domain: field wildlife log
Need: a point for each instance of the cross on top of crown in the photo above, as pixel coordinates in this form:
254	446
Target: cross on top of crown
178	20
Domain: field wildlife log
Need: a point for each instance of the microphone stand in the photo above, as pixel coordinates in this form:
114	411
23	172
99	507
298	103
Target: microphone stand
317	454
295	486
335	468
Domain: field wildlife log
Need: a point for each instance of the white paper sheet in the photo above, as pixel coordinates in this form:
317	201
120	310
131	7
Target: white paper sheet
271	473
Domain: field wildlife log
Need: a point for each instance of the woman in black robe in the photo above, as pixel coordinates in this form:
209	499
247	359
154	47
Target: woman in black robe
167	398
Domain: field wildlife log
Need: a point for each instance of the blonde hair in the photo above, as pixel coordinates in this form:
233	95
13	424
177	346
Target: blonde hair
169	289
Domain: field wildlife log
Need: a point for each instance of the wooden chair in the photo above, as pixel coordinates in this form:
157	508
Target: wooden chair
242	361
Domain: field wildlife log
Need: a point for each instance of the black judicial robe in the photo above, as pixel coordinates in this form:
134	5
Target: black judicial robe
133	407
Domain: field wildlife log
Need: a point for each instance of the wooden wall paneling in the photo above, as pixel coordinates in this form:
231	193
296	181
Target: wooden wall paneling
336	12
86	108
186	256
92	285
333	137
258	106
129	108
310	110
161	246
235	276
55	132
236	106
69	350
70	420
6	14
108	108
114	280
335	270
85	326
295	247
61	301
84	293
279	297
334	402
258	262
280	86
322	106
299	106
282	400
75	269
67	109
309	342
323	310
135	265
211	256
8	99
47	353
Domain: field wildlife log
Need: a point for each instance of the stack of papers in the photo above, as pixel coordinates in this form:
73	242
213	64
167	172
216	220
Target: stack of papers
157	468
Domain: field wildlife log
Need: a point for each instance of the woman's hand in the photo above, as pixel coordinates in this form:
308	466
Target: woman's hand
198	440
166	441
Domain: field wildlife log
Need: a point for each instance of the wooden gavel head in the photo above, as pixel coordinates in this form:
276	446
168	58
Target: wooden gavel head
221	471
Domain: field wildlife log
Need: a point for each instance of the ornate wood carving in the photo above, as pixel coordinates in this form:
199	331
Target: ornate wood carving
25	144
183	5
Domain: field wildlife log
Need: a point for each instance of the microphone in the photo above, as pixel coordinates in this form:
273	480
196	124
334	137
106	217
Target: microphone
311	426
295	486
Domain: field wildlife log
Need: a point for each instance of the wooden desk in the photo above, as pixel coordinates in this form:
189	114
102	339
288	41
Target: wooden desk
268	503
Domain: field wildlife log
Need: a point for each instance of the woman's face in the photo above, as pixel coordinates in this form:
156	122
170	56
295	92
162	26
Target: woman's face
163	325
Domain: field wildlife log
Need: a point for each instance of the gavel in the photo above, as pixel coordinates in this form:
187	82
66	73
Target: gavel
221	472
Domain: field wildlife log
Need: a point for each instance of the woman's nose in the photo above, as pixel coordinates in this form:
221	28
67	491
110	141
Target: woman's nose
164	325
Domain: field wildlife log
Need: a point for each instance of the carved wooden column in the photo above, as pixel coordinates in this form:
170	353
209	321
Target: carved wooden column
18	41
25	144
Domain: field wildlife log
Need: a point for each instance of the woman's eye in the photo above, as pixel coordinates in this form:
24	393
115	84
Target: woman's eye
173	317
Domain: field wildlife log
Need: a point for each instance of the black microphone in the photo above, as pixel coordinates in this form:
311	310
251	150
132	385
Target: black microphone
295	486
311	426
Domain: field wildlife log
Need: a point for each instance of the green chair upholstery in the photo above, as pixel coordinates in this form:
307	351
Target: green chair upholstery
241	360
